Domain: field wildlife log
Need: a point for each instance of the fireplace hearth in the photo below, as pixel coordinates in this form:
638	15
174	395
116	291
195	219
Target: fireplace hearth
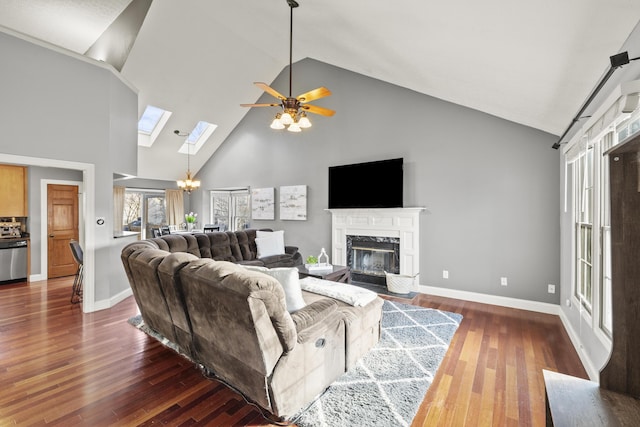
369	257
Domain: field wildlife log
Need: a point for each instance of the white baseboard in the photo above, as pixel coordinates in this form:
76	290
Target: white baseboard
108	303
592	371
36	277
540	307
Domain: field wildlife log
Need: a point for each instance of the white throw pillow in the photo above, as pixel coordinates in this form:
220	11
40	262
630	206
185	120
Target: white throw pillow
267	246
288	278
278	235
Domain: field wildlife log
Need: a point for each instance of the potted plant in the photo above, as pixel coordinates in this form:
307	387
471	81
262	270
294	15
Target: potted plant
191	220
311	261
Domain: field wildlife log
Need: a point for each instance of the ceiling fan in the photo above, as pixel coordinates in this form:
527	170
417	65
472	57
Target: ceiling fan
294	110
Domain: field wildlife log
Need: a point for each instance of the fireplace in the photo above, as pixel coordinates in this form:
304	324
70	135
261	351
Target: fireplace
384	238
369	257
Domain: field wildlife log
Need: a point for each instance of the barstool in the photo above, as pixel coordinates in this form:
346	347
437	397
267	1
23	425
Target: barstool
76	291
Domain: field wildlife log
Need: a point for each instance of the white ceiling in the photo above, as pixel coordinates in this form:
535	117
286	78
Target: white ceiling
531	62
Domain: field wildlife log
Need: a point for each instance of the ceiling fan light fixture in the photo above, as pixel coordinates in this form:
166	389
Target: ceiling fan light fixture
304	121
286	119
290	105
294	127
277	122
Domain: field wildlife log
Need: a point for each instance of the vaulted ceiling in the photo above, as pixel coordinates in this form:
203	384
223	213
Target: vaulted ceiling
533	63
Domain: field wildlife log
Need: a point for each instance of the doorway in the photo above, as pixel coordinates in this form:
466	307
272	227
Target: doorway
62	227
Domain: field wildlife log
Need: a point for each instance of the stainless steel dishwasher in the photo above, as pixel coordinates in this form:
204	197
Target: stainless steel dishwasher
13	261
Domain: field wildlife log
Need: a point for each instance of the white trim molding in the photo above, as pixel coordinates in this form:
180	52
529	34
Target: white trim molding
108	303
402	223
539	307
88	169
592	371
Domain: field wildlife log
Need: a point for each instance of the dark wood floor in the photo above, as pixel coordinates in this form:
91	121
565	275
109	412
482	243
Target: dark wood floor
59	366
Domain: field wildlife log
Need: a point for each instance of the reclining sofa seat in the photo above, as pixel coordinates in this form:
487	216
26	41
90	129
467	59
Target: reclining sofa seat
243	333
160	302
234	321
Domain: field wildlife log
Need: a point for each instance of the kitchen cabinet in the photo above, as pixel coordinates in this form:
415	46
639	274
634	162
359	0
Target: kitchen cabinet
13	191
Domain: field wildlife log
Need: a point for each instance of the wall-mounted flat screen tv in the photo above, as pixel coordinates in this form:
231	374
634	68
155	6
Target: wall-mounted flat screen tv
366	185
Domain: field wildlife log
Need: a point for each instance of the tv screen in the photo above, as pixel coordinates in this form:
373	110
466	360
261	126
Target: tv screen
366	185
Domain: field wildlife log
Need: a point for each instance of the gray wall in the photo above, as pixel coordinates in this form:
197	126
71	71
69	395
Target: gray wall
490	186
59	107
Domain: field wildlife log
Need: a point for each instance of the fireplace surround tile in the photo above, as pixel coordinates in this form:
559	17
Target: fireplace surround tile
400	223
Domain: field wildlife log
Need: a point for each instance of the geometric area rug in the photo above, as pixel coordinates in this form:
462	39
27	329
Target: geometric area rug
387	386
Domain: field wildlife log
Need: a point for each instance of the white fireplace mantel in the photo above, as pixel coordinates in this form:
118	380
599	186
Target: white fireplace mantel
403	223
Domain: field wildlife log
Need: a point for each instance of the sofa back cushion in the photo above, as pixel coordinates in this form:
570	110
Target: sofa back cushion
169	280
247	245
215	246
178	243
236	314
131	248
234	246
147	291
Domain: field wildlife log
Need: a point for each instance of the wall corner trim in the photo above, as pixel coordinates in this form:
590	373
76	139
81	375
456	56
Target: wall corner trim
594	374
114	300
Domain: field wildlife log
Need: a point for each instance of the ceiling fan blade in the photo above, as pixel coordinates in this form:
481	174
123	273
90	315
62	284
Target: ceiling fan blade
265	87
312	95
318	110
260	105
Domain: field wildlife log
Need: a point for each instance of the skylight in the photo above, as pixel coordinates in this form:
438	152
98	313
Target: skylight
197	137
150	124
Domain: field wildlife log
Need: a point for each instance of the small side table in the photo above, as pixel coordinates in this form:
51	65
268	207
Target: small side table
338	273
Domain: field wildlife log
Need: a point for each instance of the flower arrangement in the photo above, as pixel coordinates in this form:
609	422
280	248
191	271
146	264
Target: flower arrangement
191	217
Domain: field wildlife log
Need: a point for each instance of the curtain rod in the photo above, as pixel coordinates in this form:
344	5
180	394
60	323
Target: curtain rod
617	61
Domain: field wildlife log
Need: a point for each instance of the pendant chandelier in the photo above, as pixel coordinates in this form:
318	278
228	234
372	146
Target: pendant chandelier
188	184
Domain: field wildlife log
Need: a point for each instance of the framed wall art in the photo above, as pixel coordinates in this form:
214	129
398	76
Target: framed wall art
293	202
263	203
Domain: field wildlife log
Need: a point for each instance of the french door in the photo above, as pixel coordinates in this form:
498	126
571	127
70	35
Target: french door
144	210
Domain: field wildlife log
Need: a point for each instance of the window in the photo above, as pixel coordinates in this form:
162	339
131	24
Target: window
197	137
584	229
144	210
605	319
592	240
230	209
588	181
150	124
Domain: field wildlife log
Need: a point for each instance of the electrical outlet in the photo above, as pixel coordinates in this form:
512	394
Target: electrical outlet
551	288
503	281
568	302
445	274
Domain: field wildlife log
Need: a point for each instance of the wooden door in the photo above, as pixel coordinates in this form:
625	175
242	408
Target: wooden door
62	226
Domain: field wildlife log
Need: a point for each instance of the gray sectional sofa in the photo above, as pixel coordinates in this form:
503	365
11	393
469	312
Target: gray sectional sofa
235	322
234	246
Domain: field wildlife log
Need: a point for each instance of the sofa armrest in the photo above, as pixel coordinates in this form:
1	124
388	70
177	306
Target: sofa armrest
313	313
291	250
